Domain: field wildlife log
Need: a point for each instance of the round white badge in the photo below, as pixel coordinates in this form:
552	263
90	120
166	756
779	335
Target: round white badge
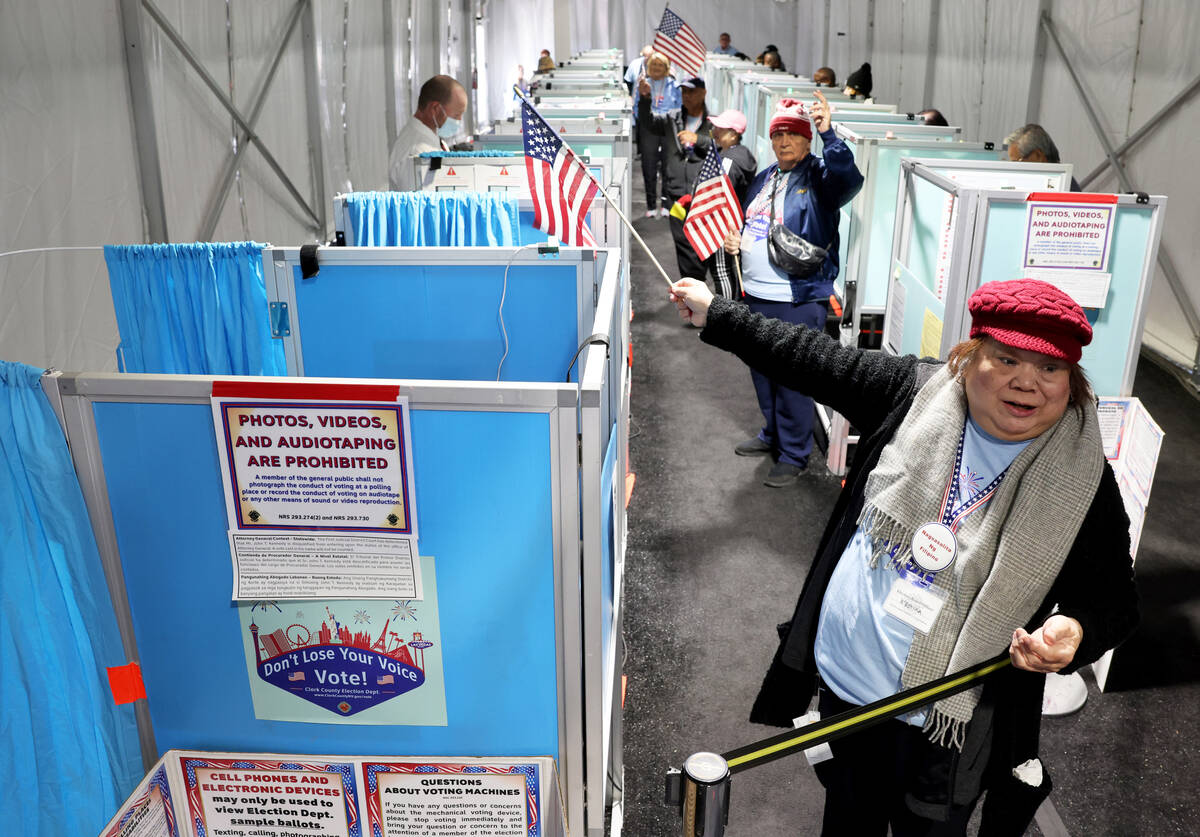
934	547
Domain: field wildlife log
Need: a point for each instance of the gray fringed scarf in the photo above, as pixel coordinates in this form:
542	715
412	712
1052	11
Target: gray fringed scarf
1009	552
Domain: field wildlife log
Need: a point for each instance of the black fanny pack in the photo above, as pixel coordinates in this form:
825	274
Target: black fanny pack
791	252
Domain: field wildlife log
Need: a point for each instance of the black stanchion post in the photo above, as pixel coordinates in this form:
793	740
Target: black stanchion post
701	792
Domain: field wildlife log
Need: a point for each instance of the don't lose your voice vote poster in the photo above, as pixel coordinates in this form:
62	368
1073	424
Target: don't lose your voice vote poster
347	661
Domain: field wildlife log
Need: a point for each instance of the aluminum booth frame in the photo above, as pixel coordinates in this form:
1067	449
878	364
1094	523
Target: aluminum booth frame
585	444
982	249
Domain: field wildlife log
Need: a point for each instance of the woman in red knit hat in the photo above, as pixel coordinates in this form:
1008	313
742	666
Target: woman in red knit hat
979	516
800	193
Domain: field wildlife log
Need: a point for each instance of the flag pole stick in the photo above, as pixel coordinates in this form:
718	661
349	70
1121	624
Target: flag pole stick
612	203
632	231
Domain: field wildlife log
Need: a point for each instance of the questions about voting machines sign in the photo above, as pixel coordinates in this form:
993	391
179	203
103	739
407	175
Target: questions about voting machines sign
319	490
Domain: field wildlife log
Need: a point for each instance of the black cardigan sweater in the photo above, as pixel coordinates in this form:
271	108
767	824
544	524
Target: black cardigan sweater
874	391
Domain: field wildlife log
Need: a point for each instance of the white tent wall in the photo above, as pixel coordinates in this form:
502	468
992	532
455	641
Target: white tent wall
630	24
516	32
196	134
69	179
71	165
989	67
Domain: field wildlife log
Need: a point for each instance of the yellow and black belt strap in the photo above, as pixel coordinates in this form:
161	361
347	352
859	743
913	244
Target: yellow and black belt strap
845	723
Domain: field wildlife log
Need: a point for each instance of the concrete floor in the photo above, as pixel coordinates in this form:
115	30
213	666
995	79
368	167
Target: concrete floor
716	560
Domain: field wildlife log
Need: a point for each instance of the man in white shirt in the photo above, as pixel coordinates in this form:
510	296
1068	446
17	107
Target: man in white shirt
440	105
637	67
725	45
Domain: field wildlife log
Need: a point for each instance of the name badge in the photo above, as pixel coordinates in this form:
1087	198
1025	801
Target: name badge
934	547
915	606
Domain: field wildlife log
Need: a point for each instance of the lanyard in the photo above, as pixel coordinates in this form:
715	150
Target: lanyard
952	515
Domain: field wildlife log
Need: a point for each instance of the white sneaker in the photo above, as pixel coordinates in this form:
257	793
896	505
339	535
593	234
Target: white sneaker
650	213
664	212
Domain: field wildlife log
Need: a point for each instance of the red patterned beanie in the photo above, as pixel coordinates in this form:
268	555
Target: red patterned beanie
1030	314
791	116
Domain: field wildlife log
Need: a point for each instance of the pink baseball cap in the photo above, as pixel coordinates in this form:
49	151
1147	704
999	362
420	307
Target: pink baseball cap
734	120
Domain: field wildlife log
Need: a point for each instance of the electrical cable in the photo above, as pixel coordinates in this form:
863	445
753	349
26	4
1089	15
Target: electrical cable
503	295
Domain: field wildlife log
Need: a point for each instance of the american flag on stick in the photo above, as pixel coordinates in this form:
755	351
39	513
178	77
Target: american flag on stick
714	210
560	185
679	42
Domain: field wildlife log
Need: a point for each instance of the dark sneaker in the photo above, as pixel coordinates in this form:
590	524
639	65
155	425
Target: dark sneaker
752	447
781	474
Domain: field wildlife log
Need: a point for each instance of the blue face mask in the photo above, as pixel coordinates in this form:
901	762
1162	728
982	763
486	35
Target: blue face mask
450	128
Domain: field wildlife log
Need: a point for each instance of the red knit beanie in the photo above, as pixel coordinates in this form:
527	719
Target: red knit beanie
791	116
1030	314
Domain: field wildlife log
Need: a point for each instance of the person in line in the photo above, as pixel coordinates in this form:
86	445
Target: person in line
802	192
859	83
770	57
545	62
979	518
660	96
740	166
686	136
441	103
929	116
825	76
637	68
1031	144
725	45
728	126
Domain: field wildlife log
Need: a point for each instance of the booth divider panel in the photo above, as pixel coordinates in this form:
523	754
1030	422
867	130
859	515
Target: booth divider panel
928	204
437	322
485	505
874	272
918	298
530	234
610	494
1113	326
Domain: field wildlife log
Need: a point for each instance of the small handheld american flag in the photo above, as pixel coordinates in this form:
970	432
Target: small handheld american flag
679	42
561	187
714	210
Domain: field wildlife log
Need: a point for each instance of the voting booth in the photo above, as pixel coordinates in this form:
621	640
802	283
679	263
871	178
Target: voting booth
581	126
868	220
952	237
607	157
505	372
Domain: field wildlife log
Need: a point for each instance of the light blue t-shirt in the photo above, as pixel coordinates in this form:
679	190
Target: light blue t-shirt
760	278
861	649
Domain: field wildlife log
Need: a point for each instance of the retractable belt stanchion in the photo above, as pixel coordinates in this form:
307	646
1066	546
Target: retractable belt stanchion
701	789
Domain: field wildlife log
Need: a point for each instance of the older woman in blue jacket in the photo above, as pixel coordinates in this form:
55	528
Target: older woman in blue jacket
802	192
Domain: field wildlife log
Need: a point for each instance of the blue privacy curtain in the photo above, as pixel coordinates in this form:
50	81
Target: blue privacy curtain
433	219
193	308
70	756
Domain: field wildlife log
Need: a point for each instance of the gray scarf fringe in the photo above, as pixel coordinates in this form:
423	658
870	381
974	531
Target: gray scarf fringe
993	587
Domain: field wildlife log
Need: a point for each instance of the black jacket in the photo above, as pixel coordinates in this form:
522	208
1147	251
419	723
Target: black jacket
682	164
874	391
742	172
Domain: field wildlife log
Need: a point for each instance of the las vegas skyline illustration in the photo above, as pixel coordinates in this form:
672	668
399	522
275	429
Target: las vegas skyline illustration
297	636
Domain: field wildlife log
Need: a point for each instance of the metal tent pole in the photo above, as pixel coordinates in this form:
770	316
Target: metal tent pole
175	38
225	181
1164	260
1151	123
144	132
